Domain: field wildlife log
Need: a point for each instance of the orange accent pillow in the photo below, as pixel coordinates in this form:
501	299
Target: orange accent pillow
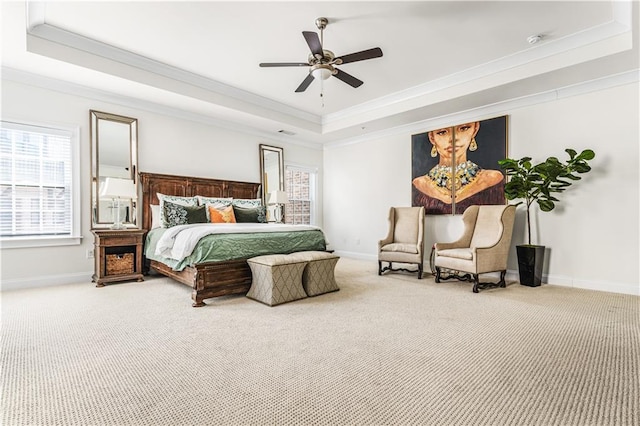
221	214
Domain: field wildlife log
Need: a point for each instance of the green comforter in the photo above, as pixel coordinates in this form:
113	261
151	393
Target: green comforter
221	247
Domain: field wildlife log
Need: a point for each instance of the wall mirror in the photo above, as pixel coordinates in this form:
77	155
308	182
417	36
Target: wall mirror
271	170
114	164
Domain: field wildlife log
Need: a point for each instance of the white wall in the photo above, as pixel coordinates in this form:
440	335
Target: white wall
592	237
166	145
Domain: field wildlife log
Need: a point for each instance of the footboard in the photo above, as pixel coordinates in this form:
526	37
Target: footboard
210	279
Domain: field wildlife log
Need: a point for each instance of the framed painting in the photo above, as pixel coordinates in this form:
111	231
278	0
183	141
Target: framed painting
456	167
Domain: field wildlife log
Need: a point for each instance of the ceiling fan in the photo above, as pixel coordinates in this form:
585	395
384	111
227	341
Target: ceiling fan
321	62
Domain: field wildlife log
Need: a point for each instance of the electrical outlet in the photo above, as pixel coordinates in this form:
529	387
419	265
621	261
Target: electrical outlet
89	254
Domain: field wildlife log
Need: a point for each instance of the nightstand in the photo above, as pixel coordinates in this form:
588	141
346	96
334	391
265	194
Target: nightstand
118	254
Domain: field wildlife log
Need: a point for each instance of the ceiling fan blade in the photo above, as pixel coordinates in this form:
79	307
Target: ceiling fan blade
284	64
348	78
376	52
314	43
305	83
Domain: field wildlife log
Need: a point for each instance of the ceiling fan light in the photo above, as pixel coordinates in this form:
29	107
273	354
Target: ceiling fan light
322	73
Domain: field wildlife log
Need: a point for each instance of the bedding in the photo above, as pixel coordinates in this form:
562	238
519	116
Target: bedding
188	245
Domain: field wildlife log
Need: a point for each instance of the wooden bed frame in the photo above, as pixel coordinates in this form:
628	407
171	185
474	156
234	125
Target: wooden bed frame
210	279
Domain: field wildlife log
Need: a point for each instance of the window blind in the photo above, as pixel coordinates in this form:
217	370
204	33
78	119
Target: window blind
35	181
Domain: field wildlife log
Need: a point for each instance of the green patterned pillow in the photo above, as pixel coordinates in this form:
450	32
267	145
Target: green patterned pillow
247	203
175	214
250	215
216	201
183	201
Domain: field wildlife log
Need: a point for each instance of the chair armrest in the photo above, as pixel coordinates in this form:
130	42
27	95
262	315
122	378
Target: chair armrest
447	246
384	242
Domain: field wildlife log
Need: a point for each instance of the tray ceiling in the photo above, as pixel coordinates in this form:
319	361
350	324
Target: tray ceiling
202	57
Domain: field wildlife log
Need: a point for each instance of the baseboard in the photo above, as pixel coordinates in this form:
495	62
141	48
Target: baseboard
49	280
356	255
513	275
611	287
564	281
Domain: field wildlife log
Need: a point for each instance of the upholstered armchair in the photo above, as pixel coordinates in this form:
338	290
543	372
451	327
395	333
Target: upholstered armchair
482	248
404	242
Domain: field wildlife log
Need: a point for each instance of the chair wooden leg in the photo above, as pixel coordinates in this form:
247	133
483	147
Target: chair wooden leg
384	269
502	282
476	282
437	274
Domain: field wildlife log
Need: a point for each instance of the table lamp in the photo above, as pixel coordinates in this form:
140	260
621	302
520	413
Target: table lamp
279	199
118	189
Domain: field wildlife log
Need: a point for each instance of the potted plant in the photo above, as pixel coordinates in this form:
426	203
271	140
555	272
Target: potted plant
539	183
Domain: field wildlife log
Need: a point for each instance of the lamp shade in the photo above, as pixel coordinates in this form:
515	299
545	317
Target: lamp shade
278	197
118	188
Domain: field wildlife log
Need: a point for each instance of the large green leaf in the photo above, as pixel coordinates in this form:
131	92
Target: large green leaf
587	154
546	205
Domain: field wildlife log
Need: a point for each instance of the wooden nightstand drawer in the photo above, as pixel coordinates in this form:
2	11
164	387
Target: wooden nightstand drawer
118	264
120	240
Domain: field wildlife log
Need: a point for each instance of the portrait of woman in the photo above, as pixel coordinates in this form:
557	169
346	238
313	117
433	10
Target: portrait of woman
456	167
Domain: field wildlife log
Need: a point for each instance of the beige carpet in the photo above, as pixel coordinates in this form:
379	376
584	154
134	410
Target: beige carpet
382	350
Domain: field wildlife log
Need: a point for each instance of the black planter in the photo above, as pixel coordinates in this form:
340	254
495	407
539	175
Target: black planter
530	262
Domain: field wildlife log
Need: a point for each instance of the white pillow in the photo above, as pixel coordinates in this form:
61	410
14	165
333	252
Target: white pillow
156	220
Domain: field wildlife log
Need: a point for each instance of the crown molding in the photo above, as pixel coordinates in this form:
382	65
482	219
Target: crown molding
485	111
66	87
496	109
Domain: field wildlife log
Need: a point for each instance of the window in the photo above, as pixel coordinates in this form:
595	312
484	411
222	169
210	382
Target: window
300	185
38	186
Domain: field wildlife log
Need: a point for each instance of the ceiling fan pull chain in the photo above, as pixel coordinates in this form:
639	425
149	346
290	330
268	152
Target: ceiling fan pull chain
322	93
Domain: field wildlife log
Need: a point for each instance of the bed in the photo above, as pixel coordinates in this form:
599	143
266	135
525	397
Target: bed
223	276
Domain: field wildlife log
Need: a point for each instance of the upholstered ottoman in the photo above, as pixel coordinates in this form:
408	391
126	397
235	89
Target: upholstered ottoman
318	276
277	278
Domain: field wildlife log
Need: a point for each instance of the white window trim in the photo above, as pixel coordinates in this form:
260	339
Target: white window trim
55	240
314	172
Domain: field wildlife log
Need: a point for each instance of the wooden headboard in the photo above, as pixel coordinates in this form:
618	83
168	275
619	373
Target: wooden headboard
187	186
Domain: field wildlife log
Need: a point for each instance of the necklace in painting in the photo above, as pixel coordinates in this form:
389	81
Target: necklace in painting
465	174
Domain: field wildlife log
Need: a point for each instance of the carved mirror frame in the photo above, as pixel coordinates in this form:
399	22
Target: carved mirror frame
271	170
114	153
